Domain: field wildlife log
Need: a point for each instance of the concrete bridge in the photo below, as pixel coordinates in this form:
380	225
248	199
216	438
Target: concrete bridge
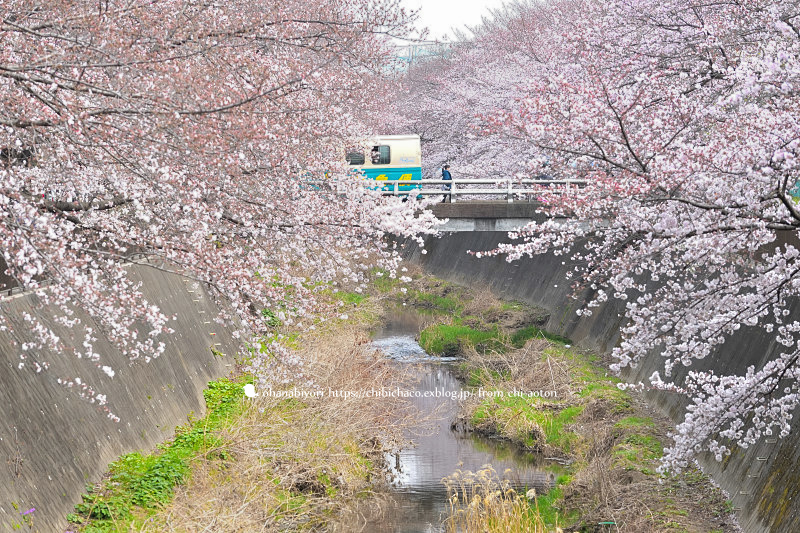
487	216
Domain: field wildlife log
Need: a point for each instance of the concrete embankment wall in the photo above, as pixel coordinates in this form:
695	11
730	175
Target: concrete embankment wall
52	442
763	481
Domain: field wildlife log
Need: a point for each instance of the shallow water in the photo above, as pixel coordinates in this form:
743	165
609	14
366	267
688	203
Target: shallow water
418	500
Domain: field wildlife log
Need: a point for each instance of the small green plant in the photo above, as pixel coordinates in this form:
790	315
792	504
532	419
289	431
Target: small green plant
138	484
270	318
730	507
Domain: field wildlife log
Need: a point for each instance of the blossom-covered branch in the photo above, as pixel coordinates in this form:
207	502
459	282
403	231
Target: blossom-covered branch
682	117
189	132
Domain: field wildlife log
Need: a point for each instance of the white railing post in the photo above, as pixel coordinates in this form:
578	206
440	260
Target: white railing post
509	194
453	192
395	187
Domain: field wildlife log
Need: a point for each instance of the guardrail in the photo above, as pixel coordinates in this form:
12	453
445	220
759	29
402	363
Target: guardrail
464	187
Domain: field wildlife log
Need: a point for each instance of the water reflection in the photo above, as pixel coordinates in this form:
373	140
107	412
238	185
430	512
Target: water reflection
419	498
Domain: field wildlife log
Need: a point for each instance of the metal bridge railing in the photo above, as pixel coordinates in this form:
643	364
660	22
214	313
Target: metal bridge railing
478	187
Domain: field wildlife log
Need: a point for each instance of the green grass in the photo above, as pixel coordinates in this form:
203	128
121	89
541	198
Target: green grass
444	339
477	377
549	504
139	484
646	446
638	452
635	422
555	426
450	305
618	400
353	298
381	280
521	336
450	339
506	413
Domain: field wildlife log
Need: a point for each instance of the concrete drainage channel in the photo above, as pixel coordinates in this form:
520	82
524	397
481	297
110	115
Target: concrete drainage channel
419	501
762	481
55	442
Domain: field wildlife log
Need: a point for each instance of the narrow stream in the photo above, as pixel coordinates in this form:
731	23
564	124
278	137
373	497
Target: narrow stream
419	497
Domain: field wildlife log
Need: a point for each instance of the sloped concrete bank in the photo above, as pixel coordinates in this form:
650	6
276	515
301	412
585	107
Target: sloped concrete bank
52	442
763	481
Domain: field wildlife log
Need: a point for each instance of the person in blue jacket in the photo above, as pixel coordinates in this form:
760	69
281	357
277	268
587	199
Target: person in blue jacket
446	177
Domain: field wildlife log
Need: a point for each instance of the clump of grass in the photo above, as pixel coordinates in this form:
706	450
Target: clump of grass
482	301
477	376
637	452
523	420
445	304
618	401
454	339
550	504
480	501
353	298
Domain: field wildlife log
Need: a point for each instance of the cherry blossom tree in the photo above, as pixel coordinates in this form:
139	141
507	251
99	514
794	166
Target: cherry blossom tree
439	104
451	101
682	116
185	135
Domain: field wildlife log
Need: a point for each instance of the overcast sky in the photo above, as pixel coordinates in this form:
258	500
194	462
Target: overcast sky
440	16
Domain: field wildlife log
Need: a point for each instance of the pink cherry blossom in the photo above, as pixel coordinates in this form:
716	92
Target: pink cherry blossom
682	116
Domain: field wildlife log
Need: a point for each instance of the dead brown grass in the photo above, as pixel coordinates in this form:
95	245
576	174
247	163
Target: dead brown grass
483	299
480	501
294	463
631	496
527	368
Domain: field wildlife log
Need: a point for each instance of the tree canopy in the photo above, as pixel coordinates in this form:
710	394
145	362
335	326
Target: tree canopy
683	117
183	135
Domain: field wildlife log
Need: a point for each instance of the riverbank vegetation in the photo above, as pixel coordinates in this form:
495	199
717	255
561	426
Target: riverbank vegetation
480	501
297	462
540	392
270	461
